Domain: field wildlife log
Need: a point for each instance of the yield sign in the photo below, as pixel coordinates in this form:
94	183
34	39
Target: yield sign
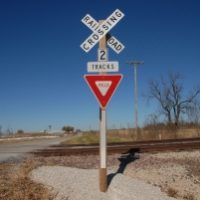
103	86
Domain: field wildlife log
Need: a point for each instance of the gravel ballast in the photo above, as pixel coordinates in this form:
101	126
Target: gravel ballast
82	184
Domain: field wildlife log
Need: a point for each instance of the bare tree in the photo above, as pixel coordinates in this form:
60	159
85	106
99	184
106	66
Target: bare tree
169	93
9	131
50	127
0	131
193	113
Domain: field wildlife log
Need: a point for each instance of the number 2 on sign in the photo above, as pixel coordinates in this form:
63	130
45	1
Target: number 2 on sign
102	55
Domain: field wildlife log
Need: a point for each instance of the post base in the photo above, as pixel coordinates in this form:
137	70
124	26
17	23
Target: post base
103	179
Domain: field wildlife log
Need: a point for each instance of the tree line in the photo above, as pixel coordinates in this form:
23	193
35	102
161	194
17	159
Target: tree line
173	102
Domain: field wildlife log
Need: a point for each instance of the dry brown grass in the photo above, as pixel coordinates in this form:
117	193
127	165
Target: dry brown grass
152	133
171	192
15	183
189	197
93	138
34	134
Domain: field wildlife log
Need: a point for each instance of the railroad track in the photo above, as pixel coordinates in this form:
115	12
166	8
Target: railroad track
125	147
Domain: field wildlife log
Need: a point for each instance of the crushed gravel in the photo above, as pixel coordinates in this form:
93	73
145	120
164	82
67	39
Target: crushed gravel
82	184
177	173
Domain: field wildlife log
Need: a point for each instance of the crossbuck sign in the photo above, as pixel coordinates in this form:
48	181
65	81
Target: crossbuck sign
100	30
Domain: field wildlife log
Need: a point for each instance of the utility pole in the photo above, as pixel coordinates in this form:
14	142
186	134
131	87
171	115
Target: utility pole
135	64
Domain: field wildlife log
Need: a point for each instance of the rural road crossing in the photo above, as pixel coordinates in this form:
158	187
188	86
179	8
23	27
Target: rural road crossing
16	150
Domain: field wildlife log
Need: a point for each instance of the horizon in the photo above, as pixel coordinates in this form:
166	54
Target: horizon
42	65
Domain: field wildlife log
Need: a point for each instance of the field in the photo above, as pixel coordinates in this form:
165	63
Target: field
93	138
128	135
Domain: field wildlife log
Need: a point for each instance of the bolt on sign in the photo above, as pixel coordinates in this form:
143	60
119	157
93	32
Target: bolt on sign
100	30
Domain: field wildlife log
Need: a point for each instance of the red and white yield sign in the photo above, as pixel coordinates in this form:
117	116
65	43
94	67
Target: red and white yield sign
103	86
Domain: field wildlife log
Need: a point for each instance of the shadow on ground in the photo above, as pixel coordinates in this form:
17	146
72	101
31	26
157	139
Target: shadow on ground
125	159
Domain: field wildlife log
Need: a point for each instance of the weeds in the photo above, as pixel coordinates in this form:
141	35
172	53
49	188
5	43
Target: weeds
172	192
189	197
93	138
193	168
15	183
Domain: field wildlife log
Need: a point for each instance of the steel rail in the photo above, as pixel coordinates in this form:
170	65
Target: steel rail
142	147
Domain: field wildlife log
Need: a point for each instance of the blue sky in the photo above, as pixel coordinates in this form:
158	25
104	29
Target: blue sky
42	64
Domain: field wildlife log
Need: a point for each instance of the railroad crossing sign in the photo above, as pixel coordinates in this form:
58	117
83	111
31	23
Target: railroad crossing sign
103	86
100	30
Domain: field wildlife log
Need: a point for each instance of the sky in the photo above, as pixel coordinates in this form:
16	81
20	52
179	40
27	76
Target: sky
42	65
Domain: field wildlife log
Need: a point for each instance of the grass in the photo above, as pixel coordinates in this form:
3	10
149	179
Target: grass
93	138
15	183
193	172
171	192
189	197
192	167
18	135
128	135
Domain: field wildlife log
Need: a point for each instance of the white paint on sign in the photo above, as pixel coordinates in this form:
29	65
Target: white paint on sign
116	45
103	86
102	54
111	66
90	22
102	30
93	25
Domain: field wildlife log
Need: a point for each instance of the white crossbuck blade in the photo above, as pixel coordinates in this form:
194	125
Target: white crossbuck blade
100	30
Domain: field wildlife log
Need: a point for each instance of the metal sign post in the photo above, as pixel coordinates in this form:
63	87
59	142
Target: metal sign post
103	86
103	151
102	121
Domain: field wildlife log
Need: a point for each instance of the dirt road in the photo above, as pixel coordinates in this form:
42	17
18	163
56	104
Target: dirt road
17	150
